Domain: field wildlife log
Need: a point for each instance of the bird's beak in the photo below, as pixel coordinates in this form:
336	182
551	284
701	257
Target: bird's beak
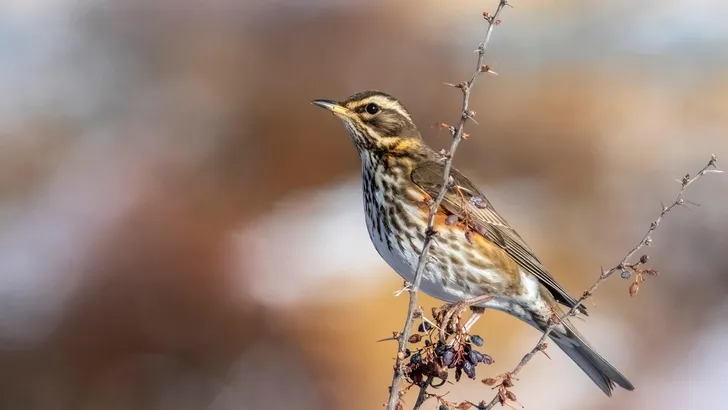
333	107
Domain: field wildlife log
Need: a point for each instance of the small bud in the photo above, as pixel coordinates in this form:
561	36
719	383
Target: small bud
644	258
653	226
648	241
400	355
415	338
489	381
634	288
626	274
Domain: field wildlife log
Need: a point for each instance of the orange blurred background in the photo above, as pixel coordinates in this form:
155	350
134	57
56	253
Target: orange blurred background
181	229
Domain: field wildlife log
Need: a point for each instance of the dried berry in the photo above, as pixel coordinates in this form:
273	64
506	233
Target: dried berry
428	342
489	381
441	349
458	373
475	357
415	338
407	353
644	259
448	358
469	369
479	202
416	358
476	340
487	359
424	326
451	220
626	274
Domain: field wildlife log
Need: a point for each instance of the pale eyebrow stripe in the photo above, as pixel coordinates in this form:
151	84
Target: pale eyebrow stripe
386	103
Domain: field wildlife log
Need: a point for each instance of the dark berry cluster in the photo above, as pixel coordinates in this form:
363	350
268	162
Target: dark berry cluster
435	358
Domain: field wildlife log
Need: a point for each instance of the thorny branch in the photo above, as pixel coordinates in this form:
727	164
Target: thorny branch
466	87
624	266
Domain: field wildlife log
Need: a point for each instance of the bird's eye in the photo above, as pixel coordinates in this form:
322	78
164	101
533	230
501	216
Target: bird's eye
372	108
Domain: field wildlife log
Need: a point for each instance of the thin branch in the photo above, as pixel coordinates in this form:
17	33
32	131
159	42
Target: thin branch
623	264
422	395
394	391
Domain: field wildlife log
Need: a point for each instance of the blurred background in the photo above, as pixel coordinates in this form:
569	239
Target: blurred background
181	229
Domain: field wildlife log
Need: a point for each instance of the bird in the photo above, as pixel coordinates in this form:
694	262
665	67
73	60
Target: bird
475	252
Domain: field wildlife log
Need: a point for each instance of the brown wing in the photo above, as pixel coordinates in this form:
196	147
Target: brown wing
466	201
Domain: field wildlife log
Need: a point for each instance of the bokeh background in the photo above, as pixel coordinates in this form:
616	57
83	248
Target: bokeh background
181	229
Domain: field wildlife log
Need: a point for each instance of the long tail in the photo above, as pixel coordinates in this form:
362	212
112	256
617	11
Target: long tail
594	365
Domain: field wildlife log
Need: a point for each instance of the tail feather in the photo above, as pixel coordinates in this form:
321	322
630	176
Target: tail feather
594	365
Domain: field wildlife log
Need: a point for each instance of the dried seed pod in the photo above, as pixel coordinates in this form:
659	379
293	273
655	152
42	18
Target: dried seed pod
634	288
511	396
415	338
488	381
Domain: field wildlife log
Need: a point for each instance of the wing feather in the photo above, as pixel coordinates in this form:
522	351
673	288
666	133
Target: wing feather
467	202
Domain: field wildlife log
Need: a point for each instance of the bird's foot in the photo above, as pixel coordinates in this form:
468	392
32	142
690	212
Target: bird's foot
448	315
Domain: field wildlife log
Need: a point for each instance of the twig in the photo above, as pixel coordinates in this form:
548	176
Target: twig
466	87
623	264
422	395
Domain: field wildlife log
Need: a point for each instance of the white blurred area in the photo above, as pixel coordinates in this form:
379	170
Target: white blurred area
98	126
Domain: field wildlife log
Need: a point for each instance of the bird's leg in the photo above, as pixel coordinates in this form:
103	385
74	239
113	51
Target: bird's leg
455	309
477	313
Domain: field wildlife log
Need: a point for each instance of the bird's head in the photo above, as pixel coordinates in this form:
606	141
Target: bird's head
376	122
